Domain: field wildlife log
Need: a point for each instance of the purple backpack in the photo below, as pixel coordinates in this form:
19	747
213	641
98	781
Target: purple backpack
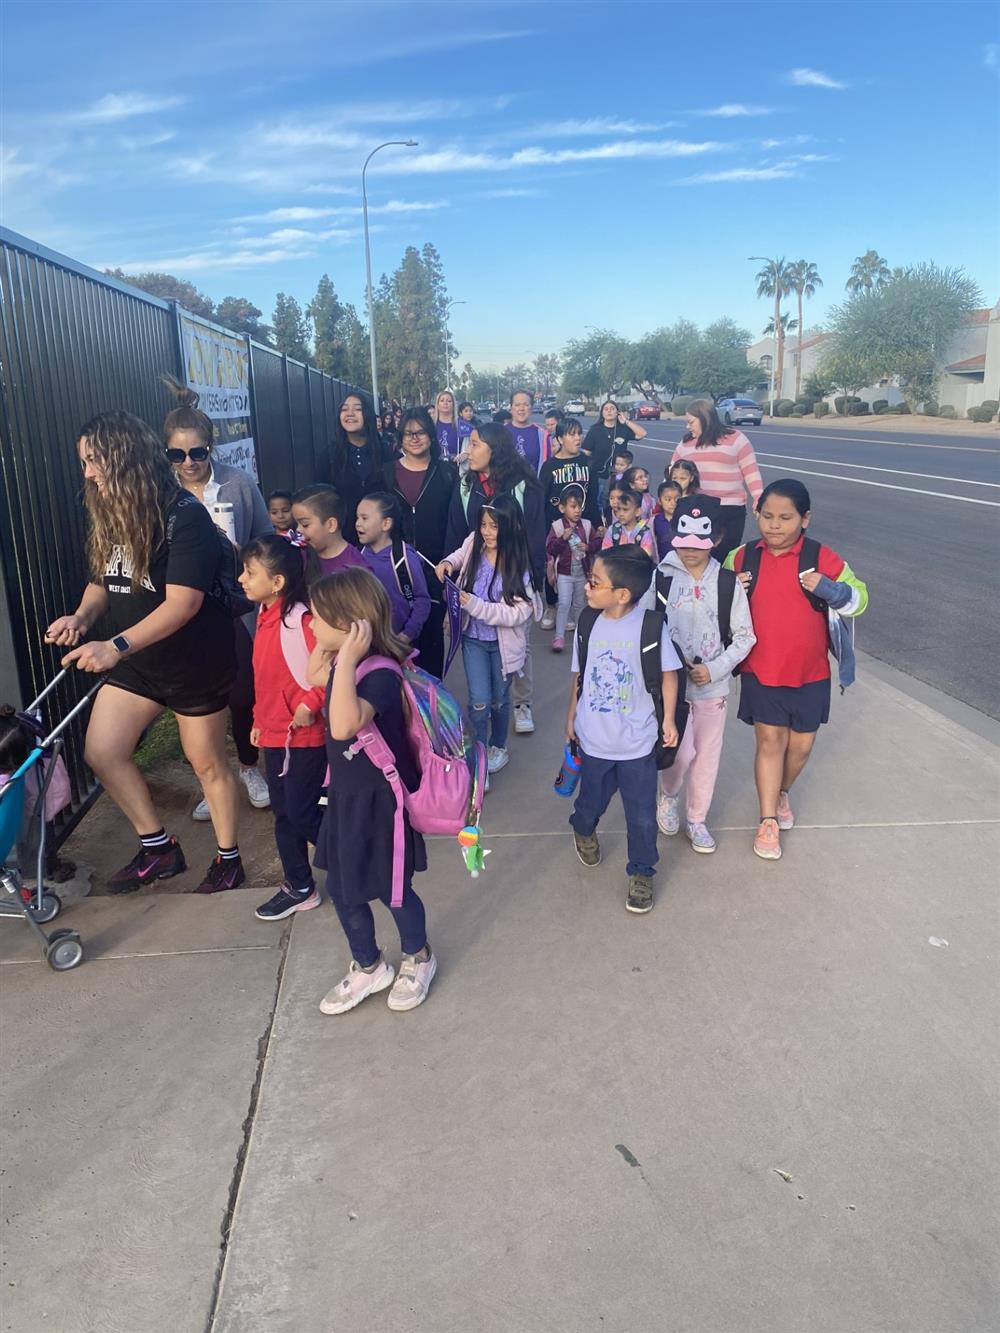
452	765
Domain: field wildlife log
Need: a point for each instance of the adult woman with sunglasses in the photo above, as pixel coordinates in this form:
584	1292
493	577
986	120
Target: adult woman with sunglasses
190	438
424	483
156	564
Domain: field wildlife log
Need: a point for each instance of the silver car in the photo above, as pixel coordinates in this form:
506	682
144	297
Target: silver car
740	411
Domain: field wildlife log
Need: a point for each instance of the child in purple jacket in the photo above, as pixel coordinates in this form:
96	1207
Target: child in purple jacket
395	564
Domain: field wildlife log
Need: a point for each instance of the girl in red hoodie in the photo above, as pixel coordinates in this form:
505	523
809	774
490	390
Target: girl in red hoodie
287	726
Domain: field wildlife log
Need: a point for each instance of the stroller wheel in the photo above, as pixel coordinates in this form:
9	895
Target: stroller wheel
64	950
51	907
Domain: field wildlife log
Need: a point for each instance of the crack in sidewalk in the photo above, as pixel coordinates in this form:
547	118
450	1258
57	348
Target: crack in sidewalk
242	1154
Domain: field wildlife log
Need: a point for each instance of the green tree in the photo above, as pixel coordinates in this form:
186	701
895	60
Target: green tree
869	272
719	370
242	316
903	327
787	325
410	310
775	280
291	328
167	288
547	368
598	365
327	314
847	368
357	352
805	280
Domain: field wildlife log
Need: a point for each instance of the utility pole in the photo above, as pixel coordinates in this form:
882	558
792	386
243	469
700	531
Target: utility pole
391	143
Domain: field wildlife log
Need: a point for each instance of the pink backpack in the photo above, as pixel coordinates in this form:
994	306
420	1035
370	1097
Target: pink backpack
452	766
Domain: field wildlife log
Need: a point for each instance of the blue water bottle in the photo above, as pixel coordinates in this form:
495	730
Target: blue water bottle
569	772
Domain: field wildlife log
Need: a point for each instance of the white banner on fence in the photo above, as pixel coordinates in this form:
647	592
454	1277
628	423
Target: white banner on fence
217	368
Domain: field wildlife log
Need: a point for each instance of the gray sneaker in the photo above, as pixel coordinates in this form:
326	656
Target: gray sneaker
640	893
588	849
701	839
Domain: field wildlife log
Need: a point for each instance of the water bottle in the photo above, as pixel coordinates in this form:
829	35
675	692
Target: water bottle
569	772
225	518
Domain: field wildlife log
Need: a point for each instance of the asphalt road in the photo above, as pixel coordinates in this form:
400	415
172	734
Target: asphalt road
918	517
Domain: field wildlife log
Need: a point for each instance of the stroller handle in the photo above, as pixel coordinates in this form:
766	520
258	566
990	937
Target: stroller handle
77	708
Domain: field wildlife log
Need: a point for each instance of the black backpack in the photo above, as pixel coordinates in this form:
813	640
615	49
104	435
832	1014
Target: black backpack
808	559
727	588
649	655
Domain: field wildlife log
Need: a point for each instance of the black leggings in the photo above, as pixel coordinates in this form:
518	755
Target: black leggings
241	697
734	519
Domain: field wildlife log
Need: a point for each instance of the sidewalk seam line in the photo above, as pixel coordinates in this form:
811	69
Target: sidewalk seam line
243	1152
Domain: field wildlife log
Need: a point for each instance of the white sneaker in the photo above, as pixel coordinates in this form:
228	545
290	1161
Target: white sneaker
570	626
496	759
357	986
201	812
668	815
549	618
253	780
524	723
413	983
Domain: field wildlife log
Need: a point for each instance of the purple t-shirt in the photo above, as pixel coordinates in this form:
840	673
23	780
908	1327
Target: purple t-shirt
481	588
333	564
528	442
447	433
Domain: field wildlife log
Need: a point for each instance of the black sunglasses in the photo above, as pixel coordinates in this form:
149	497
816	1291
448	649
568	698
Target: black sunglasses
197	455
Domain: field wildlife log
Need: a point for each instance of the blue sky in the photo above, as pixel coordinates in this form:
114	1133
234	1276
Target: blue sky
602	164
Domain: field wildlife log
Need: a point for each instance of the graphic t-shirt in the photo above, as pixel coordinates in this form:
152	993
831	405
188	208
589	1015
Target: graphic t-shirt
447	433
559	472
527	441
191	557
615	717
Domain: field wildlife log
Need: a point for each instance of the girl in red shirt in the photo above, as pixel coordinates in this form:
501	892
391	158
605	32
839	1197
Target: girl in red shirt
785	678
286	716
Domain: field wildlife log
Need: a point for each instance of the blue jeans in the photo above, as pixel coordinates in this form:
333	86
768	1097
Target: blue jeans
358	922
489	691
636	780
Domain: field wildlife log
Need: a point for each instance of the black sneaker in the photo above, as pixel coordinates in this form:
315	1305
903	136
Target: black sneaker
222	875
640	893
151	863
285	902
588	849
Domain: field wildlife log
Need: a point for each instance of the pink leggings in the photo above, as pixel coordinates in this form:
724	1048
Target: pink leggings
700	751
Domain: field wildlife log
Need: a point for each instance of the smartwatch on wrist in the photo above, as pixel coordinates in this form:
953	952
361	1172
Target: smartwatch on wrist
121	643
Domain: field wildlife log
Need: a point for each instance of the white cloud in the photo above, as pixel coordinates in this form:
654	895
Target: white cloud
40	175
736	174
513	193
593	125
136	143
729	110
455	159
202	261
991	56
306	214
814	78
121	106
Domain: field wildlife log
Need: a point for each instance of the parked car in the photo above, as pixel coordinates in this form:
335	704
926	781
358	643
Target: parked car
740	411
484	410
574	408
644	412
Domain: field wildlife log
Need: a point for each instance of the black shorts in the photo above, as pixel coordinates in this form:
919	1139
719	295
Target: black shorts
799	707
186	698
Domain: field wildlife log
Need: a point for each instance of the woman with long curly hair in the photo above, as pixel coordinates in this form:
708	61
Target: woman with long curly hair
497	468
156	563
359	455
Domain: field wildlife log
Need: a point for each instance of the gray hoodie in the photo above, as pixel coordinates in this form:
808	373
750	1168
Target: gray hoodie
693	623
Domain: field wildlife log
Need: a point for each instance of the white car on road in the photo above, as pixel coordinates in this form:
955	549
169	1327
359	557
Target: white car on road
574	408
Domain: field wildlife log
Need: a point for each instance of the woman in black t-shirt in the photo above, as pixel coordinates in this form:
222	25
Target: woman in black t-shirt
156	560
609	431
359	454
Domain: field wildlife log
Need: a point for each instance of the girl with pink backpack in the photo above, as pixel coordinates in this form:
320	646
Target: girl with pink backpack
287	726
367	844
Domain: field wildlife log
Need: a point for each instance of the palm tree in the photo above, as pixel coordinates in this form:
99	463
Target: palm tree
774	279
868	270
787	325
805	280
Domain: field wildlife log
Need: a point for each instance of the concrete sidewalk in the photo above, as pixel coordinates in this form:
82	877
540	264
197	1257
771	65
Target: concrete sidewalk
770	1105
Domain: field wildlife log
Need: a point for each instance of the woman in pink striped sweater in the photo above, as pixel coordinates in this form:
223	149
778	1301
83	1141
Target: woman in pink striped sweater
728	467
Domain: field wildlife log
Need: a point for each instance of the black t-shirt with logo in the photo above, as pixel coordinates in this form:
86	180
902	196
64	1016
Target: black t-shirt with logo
559	472
200	653
601	441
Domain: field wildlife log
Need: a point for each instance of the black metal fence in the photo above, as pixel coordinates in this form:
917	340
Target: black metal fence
74	343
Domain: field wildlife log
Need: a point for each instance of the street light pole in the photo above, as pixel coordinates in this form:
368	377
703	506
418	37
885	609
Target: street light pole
763	259
447	342
390	143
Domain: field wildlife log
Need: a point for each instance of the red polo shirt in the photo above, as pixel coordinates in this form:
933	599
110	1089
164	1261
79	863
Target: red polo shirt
792	646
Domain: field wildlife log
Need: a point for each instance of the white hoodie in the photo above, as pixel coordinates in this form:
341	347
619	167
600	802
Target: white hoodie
693	624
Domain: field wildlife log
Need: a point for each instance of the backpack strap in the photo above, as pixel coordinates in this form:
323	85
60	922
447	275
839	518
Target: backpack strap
809	559
750	564
373	743
293	644
585	622
404	579
726	589
662	583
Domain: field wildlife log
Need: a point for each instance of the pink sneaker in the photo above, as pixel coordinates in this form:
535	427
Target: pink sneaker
786	819
767	843
357	986
558	644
